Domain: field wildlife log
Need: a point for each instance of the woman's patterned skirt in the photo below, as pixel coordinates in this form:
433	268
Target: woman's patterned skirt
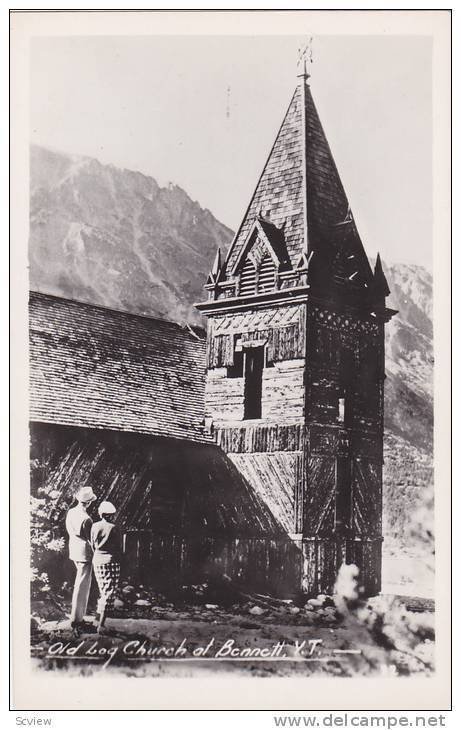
107	577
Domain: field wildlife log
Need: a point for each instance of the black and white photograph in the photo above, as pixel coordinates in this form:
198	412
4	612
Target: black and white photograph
231	355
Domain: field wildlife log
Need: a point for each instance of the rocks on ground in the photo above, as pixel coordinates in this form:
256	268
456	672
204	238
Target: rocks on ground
206	600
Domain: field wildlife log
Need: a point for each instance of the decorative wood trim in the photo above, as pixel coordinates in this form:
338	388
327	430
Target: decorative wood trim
236	304
362	312
261	318
255	231
281	296
342	321
261	439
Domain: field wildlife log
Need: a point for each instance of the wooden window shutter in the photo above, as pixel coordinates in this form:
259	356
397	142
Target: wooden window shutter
247	279
286	343
266	278
221	351
270	347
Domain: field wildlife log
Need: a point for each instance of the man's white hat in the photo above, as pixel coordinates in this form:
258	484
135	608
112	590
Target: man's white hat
85	494
106	508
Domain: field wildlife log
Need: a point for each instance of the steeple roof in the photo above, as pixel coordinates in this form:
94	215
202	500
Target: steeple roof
300	193
278	196
381	285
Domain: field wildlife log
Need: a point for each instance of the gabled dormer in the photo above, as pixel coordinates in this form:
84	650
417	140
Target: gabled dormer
261	260
298	231
260	267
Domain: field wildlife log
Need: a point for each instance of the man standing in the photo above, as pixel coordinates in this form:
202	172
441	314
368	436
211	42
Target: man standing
78	525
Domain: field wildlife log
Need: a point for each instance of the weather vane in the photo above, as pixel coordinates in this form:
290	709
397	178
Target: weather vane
305	56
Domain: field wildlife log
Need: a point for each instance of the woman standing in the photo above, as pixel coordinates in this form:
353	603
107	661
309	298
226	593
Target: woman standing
107	545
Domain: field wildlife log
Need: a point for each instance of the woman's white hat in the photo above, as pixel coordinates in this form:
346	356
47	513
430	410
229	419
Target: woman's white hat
106	508
85	494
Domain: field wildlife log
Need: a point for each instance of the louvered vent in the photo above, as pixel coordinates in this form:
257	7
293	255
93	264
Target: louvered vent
266	281
248	279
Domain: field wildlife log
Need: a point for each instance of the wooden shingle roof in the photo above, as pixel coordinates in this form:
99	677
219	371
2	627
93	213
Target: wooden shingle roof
169	486
100	368
300	193
279	193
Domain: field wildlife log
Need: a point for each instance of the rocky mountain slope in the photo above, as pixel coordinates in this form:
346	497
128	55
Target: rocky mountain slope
408	458
116	238
409	354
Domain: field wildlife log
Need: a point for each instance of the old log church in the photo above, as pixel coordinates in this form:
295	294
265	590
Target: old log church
258	451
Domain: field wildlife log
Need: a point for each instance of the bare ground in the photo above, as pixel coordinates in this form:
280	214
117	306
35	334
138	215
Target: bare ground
172	641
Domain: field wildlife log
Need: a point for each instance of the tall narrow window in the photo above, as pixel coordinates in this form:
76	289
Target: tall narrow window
343	494
254	365
266	278
248	279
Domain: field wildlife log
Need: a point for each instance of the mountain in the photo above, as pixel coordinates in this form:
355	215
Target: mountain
408	399
114	237
409	355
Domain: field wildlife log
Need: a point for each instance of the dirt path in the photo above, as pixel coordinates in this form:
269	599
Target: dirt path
200	641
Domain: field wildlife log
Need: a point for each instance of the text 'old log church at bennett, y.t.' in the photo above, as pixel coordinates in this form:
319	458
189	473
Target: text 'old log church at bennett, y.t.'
255	450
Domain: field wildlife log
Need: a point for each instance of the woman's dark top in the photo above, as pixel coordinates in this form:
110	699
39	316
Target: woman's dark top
106	542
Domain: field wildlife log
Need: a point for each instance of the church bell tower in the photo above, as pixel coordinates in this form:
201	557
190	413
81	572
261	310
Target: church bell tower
295	357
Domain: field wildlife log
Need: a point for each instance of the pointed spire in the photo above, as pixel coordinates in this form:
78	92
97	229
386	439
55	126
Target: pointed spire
301	186
380	281
216	269
303	76
304	261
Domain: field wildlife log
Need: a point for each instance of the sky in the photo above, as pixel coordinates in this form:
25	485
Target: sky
203	111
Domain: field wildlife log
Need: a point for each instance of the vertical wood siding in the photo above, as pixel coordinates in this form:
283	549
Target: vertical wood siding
274	477
367	497
277	565
330	335
261	438
319	494
283	328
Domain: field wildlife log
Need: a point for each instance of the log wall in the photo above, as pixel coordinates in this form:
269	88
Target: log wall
282	395
282	330
333	337
292	456
345	359
277	479
281	566
164	485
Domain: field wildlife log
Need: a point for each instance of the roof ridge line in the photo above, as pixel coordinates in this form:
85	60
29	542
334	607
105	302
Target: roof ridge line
58	297
244	217
329	151
304	85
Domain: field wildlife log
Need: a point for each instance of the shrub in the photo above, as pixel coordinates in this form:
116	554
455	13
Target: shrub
398	641
47	538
